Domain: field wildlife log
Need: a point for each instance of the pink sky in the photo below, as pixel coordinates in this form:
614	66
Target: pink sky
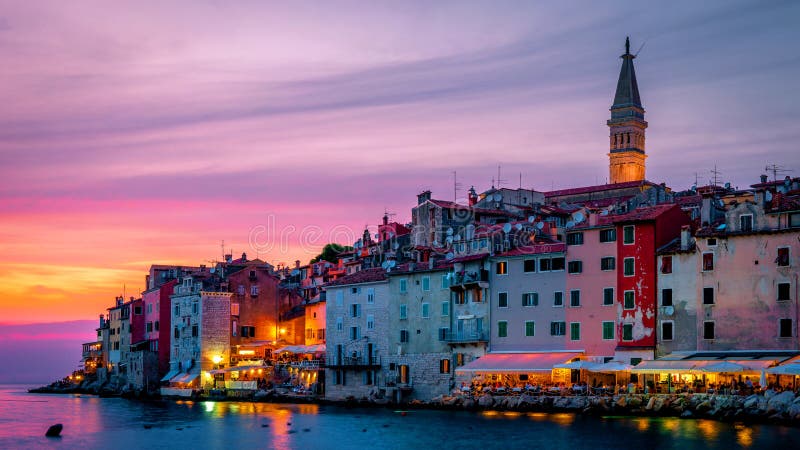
140	134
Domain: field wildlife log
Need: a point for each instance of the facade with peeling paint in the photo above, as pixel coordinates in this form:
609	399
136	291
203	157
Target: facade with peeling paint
678	269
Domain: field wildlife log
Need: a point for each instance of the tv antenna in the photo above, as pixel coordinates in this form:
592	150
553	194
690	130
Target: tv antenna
499	180
456	186
222	246
776	169
388	214
716	174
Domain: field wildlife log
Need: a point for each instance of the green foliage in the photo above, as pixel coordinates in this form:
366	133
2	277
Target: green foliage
331	253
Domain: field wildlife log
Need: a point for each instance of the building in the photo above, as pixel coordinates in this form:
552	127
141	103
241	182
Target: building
678	271
627	125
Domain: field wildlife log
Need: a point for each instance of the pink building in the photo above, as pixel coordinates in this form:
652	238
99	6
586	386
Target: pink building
592	280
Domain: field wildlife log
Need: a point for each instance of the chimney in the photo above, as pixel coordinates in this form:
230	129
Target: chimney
229	258
386	219
593	219
202	267
244	257
473	196
102	320
763	178
686	237
423	196
297	264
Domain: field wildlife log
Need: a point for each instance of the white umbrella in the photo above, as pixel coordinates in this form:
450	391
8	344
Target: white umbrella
786	369
725	367
612	367
763	380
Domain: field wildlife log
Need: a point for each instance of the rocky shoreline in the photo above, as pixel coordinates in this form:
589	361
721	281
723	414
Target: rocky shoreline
780	408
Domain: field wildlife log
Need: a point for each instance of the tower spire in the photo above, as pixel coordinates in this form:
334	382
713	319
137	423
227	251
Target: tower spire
627	125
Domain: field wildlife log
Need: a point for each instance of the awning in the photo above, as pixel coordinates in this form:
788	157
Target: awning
577	365
787	369
184	378
518	362
662	366
169	375
612	367
302	349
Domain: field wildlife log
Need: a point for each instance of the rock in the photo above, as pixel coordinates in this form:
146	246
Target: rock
622	402
561	402
650	404
658	404
469	403
704	406
54	431
634	402
793	411
769	393
780	402
577	403
687	414
485	401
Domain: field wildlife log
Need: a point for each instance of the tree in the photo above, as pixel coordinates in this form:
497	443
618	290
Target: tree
331	252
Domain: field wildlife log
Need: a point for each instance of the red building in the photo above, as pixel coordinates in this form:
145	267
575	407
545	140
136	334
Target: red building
639	234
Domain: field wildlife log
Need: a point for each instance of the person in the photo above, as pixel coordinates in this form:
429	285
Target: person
748	383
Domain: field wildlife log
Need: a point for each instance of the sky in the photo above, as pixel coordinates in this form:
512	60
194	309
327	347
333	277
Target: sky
149	132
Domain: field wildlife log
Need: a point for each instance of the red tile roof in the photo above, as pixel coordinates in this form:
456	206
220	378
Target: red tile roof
645	213
364	276
467	258
535	249
598	188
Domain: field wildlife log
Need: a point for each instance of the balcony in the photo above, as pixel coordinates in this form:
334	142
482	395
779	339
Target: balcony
355	363
313	364
469	280
466	337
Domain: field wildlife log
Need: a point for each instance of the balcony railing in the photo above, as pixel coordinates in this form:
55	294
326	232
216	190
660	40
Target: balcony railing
354	362
466	280
466	337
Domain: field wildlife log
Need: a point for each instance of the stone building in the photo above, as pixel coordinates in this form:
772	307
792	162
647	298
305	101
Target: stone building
627	125
678	271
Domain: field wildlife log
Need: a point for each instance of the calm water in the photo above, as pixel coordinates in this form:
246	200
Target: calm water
91	422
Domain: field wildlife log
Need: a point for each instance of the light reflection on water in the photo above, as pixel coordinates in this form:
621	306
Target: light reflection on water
90	422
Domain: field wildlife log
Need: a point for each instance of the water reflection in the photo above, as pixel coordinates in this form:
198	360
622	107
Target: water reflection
709	429
744	435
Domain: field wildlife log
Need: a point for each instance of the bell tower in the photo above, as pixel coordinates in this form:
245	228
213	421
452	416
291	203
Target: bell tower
627	125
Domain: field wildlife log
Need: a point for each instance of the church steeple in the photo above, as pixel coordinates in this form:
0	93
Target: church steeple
627	125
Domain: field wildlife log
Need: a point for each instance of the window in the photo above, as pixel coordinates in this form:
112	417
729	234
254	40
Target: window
339	298
426	310
443	334
403	285
460	297
629	301
558	328
355	333
355	290
628	267
558	298
785	328
149	327
177	310
666	330
254	291
708	330
137	310
608	263
530	328
746	222
370	322
502	299
530	299
195	331
501	268
627	332
557	264
234	328
339	324
575	238
708	261
544	265
240	289
355	310
575	298
149	308
370	295
445	282
783	256
608	296
155	325
248	331
405	375
426	283
575	331
708	295
711	242
234	309
666	264
476	295
403	311
502	328
529	266
783	291
666	297
445	309
794	220
176	333
608	331
575	267
628	234
195	307
608	235
444	366
404	335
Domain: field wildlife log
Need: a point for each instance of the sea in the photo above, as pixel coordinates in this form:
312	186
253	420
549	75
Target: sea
115	423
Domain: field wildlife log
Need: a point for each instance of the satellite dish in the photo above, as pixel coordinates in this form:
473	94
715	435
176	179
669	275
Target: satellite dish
570	224
385	265
395	246
506	227
392	263
449	256
721	203
377	236
768	196
449	239
578	217
518	227
449	231
540	225
604	212
531	218
457	237
498	196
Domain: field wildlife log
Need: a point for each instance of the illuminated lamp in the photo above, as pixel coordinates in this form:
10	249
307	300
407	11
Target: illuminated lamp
216	359
247	352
